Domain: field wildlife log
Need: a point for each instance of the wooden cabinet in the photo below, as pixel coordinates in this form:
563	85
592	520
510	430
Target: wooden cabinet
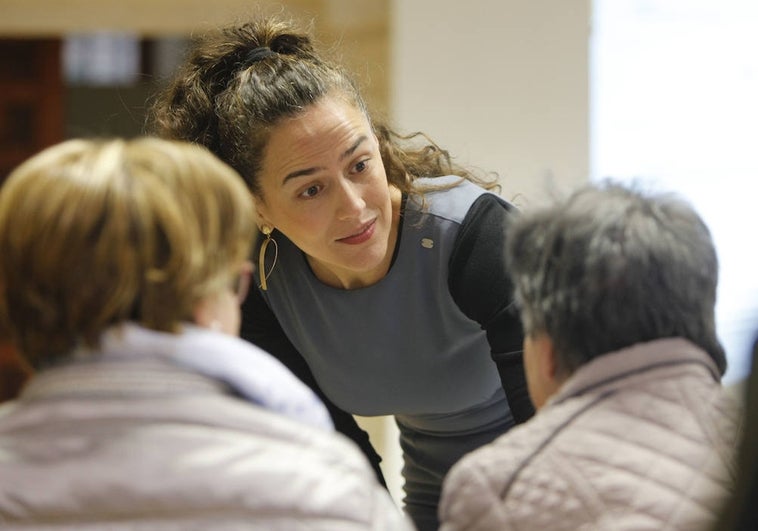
31	118
31	99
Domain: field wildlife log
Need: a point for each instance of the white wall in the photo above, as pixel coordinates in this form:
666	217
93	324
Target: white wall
678	110
502	84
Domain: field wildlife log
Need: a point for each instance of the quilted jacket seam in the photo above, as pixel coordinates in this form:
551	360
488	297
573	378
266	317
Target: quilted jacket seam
554	433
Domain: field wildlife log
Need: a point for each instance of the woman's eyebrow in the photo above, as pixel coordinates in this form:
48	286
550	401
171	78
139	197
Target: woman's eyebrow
349	151
309	171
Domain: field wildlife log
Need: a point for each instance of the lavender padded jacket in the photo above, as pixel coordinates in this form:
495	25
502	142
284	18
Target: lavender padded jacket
638	439
143	438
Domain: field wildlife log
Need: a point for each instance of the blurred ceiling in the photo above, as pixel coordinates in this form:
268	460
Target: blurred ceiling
357	29
45	18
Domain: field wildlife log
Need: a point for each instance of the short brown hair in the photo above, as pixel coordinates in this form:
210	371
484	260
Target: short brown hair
98	232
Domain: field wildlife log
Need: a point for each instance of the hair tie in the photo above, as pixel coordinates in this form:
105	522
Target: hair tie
256	54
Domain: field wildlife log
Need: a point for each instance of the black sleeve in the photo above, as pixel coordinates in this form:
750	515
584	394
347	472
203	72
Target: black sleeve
480	286
261	327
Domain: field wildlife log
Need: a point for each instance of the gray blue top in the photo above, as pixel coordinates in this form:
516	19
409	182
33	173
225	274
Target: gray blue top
404	346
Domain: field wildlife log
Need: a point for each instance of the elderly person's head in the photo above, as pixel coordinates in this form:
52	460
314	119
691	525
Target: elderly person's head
606	269
96	233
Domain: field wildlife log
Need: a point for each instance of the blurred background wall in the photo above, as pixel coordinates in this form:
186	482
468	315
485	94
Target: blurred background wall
504	87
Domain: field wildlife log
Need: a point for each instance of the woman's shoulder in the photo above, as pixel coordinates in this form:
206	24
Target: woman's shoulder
449	197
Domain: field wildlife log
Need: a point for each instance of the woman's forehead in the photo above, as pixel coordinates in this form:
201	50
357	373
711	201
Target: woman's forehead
324	133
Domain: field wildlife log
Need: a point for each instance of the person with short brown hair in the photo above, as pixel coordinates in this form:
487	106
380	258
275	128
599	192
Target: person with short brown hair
124	265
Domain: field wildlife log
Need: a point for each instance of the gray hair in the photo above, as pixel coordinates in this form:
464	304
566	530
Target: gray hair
613	266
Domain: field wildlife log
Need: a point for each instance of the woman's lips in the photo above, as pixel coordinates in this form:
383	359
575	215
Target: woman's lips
364	233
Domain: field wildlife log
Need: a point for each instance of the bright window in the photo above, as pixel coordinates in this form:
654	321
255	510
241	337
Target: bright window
674	102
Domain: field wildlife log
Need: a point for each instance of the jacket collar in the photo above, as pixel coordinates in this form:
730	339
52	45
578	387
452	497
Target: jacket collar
133	360
139	377
640	359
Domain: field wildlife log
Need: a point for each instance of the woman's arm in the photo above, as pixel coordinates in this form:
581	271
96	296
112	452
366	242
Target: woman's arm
481	288
261	327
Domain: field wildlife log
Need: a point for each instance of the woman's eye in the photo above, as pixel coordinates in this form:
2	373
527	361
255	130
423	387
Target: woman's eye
311	191
361	166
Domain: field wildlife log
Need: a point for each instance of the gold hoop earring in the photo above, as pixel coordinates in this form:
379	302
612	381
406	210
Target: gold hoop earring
262	257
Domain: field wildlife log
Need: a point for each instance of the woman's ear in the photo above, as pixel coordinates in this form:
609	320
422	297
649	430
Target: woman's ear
261	212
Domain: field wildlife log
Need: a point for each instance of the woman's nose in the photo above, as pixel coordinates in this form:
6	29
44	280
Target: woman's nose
351	203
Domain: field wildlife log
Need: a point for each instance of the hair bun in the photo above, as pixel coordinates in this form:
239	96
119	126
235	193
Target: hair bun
258	54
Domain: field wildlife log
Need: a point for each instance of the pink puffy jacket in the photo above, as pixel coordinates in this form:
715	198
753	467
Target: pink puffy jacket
639	439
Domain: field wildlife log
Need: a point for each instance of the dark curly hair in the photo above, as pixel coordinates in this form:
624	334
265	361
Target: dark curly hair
240	81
